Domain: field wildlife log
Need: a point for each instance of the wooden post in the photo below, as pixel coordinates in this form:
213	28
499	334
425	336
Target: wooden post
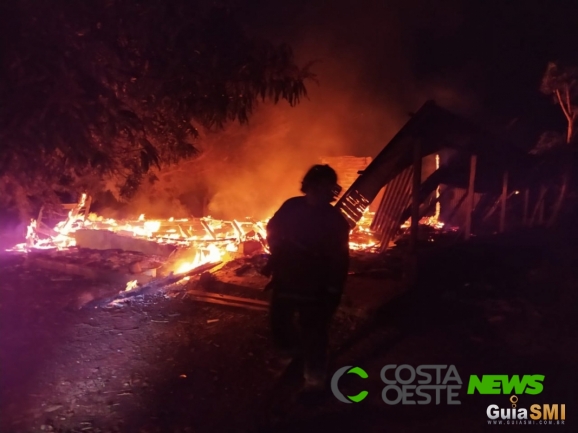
541	214
503	202
526	201
410	266
496	205
415	194
470	199
539	205
456	208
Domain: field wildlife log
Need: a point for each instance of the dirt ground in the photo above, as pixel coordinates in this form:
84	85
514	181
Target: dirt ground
164	363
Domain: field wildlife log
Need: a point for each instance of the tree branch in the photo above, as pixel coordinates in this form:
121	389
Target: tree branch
561	102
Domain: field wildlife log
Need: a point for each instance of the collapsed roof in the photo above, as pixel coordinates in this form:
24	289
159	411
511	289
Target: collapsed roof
439	131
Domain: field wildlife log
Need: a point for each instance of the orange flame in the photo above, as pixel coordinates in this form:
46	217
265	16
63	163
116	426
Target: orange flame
208	239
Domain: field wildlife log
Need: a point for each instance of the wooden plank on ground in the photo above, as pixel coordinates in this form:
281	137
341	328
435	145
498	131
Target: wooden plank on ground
211	300
227	297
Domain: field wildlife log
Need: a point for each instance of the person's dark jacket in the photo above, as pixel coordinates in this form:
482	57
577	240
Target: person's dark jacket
309	249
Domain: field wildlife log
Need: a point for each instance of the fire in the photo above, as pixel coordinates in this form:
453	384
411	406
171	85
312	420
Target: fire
130	285
431	221
361	237
31	237
212	254
209	240
152	227
438	204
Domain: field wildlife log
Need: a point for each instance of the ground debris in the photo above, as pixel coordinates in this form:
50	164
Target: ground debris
174	370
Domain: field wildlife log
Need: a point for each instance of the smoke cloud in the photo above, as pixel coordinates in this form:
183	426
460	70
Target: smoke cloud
366	89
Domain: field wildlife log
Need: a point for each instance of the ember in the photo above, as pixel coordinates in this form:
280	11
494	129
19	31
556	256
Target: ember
130	285
199	240
431	221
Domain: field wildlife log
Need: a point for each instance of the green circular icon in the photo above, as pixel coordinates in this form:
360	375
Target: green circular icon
335	379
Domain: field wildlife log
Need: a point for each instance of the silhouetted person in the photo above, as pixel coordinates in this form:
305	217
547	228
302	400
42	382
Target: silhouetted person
309	243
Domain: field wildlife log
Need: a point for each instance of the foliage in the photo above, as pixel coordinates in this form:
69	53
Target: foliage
548	140
562	84
95	93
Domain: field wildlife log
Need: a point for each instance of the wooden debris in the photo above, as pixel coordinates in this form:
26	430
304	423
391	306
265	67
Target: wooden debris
207	280
107	240
228	303
470	197
227	297
242	270
106	275
251	247
154	285
208	229
53	408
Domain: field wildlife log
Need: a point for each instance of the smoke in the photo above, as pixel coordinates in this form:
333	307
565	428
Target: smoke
367	87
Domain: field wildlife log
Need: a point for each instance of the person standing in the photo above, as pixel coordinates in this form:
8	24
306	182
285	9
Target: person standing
309	244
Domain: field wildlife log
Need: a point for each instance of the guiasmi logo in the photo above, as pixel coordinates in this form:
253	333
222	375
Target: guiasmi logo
539	414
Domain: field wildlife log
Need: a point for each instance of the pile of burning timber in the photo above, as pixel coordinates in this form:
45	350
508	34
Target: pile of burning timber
139	251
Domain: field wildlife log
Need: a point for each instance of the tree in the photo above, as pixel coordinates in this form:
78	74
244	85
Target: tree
562	84
95	93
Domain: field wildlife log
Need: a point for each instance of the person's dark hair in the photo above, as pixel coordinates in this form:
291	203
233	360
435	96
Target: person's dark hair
318	173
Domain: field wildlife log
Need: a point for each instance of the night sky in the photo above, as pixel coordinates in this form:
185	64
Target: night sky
483	58
377	61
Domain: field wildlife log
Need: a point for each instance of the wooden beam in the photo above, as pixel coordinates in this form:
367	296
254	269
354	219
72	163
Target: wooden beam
496	205
471	195
541	213
415	201
227	297
209	300
539	205
152	286
426	208
503	202
208	228
456	207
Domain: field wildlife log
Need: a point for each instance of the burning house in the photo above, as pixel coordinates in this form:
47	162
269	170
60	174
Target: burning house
152	141
439	180
440	172
476	173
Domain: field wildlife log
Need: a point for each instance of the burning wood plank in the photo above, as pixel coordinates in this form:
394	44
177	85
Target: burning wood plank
152	286
207	238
